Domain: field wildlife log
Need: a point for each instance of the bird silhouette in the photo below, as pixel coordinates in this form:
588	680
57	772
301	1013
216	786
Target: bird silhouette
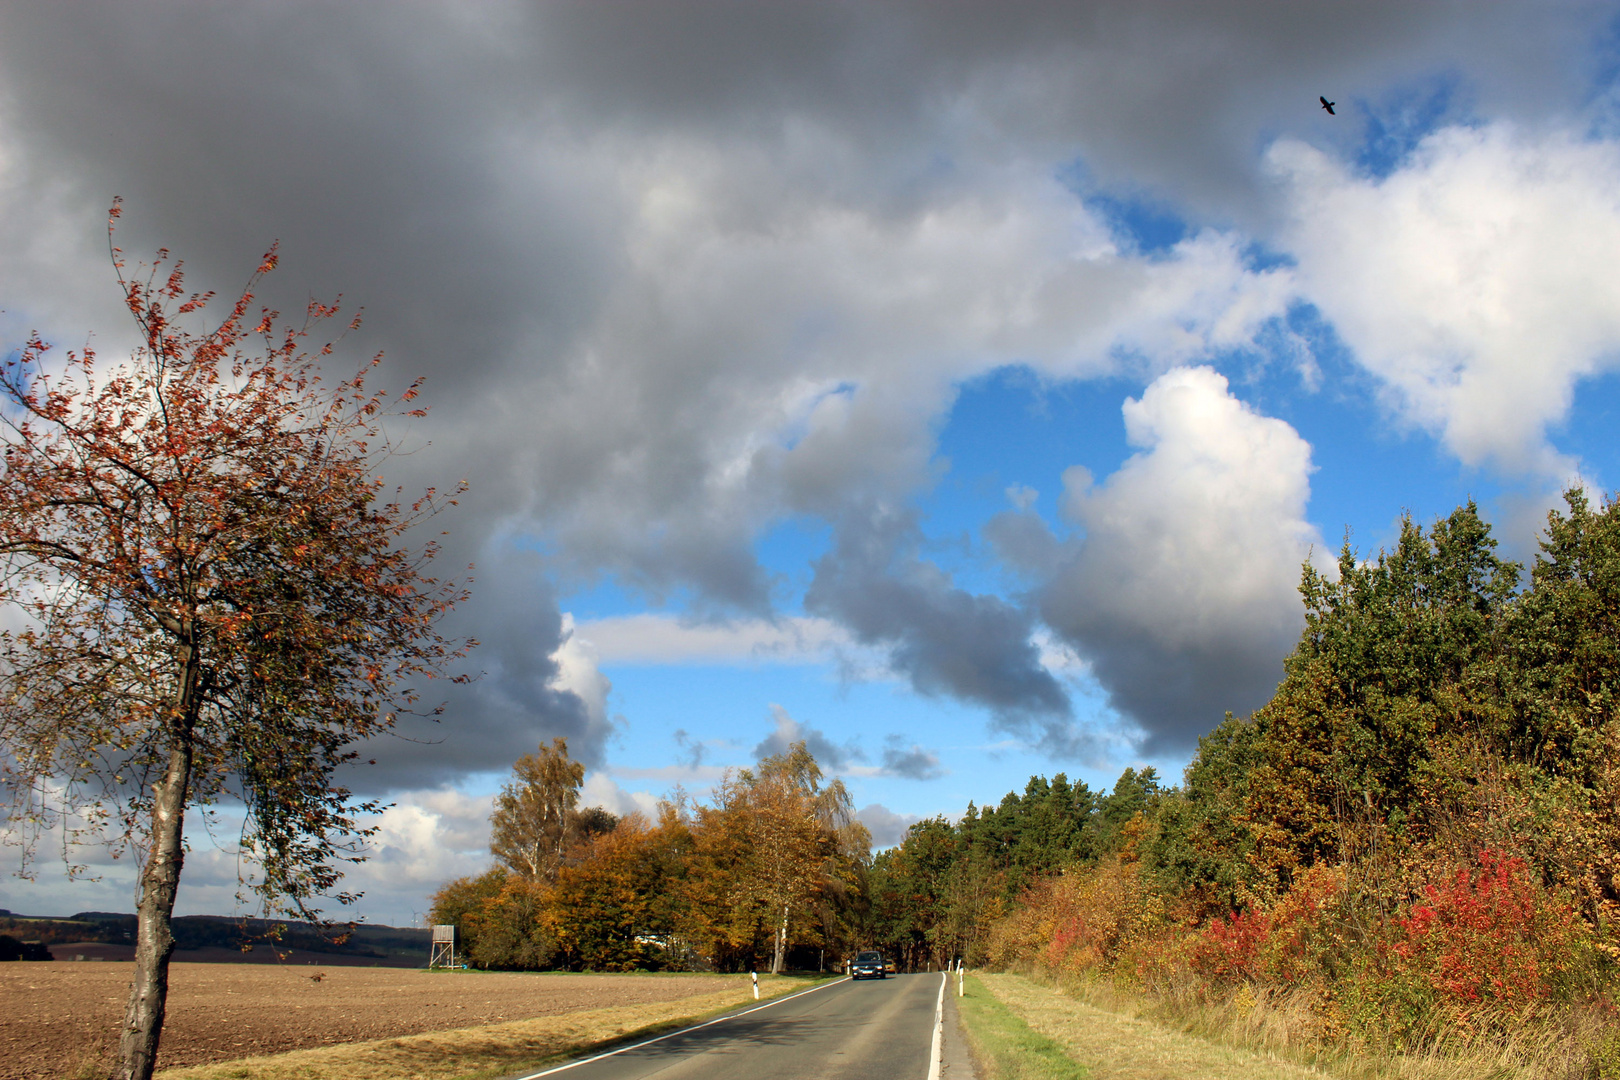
1328	105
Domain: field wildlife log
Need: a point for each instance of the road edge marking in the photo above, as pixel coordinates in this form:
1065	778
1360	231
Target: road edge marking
684	1030
936	1050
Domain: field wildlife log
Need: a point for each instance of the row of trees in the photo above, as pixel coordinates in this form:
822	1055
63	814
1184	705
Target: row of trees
773	867
1419	835
939	894
770	863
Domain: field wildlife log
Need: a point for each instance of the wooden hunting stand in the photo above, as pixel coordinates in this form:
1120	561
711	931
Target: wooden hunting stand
444	947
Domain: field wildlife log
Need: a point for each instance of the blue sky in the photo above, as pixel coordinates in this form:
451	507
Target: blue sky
959	391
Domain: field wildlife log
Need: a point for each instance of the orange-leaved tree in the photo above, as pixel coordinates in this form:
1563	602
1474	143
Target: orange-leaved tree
213	599
805	838
603	908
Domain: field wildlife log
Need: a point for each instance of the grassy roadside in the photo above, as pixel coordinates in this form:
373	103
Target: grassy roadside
1115	1046
1005	1046
495	1050
1121	1034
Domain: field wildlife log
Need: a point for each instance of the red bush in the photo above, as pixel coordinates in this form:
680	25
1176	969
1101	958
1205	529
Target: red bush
1065	936
1486	934
1227	948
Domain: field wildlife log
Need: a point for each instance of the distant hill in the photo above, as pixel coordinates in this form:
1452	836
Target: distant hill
221	935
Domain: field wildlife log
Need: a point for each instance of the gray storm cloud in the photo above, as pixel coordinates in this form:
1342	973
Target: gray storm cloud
946	640
522	695
677	272
912	762
887	827
832	757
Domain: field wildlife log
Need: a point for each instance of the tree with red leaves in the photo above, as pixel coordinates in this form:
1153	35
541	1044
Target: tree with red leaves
213	601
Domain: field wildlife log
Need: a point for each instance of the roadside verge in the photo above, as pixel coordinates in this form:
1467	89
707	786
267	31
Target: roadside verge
1004	1045
1117	1047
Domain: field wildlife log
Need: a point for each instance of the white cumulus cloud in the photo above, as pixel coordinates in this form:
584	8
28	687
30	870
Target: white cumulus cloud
1476	280
1182	593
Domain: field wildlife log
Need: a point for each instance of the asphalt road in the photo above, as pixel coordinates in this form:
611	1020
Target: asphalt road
877	1029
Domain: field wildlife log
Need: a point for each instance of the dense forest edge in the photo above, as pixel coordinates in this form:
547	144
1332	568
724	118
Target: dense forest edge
1412	846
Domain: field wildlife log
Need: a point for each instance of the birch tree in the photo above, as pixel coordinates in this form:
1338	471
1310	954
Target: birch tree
535	819
804	836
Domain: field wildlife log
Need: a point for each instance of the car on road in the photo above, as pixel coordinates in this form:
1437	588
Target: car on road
888	967
868	965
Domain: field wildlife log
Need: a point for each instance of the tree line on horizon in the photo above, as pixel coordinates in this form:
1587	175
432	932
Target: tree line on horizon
769	864
1416	838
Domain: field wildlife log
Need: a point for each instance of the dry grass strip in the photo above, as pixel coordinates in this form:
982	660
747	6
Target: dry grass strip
495	1050
1272	1035
1004	1047
1116	1047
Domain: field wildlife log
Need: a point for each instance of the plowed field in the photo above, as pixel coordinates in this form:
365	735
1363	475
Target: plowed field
56	1018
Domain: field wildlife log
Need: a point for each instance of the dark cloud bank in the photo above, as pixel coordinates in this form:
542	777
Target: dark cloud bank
512	191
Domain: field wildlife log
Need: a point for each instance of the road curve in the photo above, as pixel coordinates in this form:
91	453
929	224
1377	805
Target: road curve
880	1029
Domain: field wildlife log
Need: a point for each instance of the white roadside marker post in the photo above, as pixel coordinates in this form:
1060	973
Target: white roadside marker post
961	978
755	976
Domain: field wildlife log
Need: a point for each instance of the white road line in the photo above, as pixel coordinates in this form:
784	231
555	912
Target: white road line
682	1031
936	1051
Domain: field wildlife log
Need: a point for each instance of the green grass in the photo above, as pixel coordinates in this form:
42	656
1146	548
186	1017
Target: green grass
1007	1048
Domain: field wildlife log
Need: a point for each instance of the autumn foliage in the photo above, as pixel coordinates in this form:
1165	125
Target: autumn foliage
1414	842
1475	947
772	864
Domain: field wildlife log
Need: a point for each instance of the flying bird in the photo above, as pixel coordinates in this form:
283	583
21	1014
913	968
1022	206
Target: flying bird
1328	105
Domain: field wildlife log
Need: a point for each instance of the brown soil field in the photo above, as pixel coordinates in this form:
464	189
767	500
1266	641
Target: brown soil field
58	1018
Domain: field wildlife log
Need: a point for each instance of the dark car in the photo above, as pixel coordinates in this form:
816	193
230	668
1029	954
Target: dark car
867	965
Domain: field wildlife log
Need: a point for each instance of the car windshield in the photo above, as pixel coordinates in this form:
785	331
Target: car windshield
867	958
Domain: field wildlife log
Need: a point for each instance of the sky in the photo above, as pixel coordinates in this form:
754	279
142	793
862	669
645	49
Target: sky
959	388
